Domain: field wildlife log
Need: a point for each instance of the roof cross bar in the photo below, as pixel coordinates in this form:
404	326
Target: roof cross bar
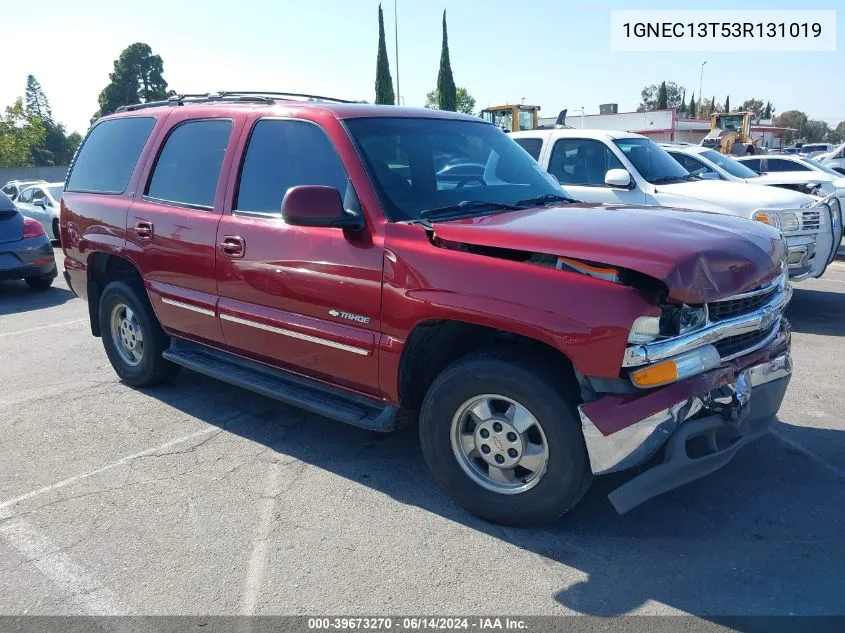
227	96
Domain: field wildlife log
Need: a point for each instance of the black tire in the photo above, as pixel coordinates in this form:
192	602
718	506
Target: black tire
568	473
40	283
56	231
152	369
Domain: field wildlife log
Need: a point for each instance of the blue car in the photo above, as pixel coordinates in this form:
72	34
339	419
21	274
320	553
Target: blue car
25	249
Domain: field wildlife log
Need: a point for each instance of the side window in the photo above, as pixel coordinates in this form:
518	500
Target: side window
107	157
754	164
285	154
26	195
582	162
188	168
9	191
531	145
37	194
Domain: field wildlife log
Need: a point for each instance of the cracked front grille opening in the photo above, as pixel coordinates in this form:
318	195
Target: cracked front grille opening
722	310
736	344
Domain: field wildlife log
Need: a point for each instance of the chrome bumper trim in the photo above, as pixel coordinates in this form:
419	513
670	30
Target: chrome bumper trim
762	318
634	444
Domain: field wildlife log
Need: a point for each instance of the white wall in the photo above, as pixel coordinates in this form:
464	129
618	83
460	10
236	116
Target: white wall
641	122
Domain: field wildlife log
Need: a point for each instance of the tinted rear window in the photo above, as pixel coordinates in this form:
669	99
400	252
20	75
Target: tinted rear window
108	155
531	145
188	167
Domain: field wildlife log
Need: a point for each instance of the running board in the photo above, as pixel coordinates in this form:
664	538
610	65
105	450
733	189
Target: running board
284	386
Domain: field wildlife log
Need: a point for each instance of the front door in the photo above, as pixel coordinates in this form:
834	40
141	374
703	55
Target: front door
171	227
580	166
303	298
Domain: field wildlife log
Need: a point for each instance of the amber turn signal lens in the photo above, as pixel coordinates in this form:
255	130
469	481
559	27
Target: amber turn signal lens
656	375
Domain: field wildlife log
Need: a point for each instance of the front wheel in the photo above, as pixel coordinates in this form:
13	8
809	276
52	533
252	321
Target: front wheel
132	336
39	283
501	439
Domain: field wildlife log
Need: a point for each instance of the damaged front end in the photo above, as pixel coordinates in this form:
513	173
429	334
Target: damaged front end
698	421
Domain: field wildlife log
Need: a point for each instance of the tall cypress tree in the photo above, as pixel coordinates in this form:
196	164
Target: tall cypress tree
36	100
691	111
384	82
713	104
662	97
728	104
447	93
682	109
767	113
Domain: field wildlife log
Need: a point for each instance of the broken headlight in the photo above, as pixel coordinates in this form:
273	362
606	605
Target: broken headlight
680	319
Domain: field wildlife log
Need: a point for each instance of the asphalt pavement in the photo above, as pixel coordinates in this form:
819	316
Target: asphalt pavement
200	498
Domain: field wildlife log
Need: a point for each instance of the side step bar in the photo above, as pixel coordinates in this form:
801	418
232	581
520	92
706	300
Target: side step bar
284	386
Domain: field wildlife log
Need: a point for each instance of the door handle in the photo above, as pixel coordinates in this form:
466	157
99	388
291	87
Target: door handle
232	246
144	230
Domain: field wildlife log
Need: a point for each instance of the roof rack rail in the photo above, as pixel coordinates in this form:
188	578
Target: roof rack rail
228	96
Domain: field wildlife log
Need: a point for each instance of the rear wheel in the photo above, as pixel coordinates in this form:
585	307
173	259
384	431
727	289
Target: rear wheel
40	283
132	336
56	232
501	439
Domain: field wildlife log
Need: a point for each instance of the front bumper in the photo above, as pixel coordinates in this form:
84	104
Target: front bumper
702	422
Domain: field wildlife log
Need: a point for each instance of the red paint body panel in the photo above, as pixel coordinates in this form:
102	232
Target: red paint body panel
339	306
699	256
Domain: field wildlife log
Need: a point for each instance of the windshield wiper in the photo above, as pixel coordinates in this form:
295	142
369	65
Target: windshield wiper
466	205
669	179
546	198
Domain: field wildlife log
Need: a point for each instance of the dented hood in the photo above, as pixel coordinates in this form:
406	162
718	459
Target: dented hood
699	256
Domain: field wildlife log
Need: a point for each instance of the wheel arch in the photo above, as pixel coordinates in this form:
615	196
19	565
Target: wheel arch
104	268
434	344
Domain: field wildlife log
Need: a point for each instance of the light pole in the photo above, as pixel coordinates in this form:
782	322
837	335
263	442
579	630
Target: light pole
396	39
700	84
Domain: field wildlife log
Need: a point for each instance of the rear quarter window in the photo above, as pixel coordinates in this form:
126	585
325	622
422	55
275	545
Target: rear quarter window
531	145
108	155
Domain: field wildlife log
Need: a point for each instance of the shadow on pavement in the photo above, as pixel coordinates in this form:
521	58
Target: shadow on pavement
817	312
16	297
763	536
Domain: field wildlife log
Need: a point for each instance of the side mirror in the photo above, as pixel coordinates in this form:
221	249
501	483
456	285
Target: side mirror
316	205
618	179
707	175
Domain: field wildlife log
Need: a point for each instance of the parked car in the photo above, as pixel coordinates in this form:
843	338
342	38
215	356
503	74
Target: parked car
13	188
307	251
786	166
42	202
810	150
25	250
834	159
621	167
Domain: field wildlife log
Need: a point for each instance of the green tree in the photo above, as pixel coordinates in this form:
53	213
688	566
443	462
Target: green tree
137	78
74	140
792	119
837	134
662	97
728	103
713	107
466	102
767	113
692	105
815	131
649	95
754	106
384	82
682	109
36	101
447	93
19	133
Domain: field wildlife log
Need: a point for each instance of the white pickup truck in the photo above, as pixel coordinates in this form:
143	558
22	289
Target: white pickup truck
607	166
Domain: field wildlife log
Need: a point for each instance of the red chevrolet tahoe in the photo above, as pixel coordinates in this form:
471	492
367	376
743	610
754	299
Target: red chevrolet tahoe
382	265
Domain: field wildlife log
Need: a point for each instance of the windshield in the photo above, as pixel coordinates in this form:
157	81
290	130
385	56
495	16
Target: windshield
729	122
425	163
821	167
733	167
651	160
56	192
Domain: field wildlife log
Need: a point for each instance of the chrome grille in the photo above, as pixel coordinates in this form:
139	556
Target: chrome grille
733	346
810	220
721	310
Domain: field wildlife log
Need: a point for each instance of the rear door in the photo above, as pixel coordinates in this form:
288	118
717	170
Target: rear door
303	298
171	227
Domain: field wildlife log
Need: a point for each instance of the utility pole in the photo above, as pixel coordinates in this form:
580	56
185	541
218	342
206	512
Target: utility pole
700	83
396	39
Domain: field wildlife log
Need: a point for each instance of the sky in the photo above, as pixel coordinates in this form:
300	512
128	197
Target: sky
551	53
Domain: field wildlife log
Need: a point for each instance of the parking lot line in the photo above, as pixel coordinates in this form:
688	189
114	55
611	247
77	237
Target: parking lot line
258	558
66	482
808	453
42	327
72	580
